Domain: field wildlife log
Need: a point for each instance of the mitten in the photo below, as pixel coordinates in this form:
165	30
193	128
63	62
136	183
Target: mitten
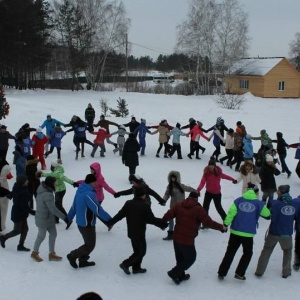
117	195
69	223
9	176
162	203
234	181
32	212
75	184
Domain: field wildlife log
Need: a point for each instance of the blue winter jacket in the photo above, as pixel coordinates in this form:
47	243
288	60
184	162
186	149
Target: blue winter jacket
176	132
244	213
56	137
283	215
248	148
50	124
80	130
142	130
86	207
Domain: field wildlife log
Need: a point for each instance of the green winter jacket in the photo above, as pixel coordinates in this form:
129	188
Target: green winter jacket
58	173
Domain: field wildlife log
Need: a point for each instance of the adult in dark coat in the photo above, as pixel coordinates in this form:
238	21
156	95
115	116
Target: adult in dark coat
4	137
267	174
19	212
221	126
188	214
138	214
133	125
33	181
89	115
137	181
130	156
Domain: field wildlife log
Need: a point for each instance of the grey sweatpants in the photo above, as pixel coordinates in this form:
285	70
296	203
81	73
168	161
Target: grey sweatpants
286	244
41	236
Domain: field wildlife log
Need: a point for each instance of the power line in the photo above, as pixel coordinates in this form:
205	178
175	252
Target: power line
158	50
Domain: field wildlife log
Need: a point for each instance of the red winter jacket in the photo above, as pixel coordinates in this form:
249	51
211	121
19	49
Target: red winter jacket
38	144
212	180
101	135
189	214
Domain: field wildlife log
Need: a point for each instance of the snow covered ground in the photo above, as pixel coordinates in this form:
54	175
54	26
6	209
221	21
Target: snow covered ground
23	278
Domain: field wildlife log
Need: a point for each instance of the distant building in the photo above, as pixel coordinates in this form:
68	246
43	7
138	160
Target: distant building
270	77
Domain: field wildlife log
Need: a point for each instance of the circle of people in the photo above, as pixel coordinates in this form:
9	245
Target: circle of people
185	217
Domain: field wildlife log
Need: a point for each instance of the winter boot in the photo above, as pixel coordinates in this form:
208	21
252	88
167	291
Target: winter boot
54	257
22	248
86	263
2	241
72	261
169	237
35	256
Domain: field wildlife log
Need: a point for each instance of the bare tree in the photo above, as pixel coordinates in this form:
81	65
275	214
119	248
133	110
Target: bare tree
295	50
216	35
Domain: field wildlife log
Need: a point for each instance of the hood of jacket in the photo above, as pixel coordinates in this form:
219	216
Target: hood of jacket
190	203
250	195
176	174
59	170
97	167
44	189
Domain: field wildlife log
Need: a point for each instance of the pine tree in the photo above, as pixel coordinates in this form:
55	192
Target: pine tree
121	110
4	106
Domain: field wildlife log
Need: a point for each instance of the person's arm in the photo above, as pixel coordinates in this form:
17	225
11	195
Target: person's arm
230	215
201	184
203	135
124	193
113	123
227	177
159	199
119	216
49	201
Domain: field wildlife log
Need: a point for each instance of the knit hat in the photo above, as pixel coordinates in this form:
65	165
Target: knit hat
143	121
50	182
220	120
230	130
178	125
135	177
55	163
48	116
193	195
57	125
269	158
263	131
191	120
139	191
39	129
238	123
21	179
133	118
102	117
90	178
252	186
3	127
284	189
26	125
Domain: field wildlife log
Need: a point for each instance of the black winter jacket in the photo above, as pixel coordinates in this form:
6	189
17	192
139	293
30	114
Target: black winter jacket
137	214
130	152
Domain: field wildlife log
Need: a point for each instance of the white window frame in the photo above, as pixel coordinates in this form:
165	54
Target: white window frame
244	84
281	86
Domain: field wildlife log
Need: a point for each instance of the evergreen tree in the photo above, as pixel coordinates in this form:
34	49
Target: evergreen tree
121	110
4	106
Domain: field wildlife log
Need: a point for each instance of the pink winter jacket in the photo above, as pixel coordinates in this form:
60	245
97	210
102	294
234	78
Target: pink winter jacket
212	181
101	183
196	132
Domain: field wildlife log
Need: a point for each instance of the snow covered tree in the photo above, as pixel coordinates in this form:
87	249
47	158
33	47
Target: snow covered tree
295	50
4	106
121	110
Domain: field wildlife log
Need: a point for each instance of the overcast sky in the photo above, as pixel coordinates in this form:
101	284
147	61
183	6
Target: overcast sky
272	25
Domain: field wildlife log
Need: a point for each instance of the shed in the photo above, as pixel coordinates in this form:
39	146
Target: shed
268	77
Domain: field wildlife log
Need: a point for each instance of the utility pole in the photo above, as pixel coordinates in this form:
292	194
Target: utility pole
126	44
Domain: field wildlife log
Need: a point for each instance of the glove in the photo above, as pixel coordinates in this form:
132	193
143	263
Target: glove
225	228
9	176
69	223
75	184
32	212
9	195
162	203
164	225
117	195
234	181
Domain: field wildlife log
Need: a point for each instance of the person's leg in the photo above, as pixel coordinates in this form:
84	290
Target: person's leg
3	212
59	203
286	244
110	142
207	199
143	145
16	231
58	149
233	245
217	201
172	150
139	247
159	148
270	243
247	243
296	265
52	238
50	151
94	150
178	148
39	239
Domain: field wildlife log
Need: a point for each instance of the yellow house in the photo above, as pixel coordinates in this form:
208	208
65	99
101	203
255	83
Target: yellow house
273	77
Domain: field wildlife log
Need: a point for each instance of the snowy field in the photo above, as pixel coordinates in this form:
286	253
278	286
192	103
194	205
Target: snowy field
23	278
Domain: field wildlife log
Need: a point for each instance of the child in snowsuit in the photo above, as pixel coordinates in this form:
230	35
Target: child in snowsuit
56	135
121	139
38	143
142	131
